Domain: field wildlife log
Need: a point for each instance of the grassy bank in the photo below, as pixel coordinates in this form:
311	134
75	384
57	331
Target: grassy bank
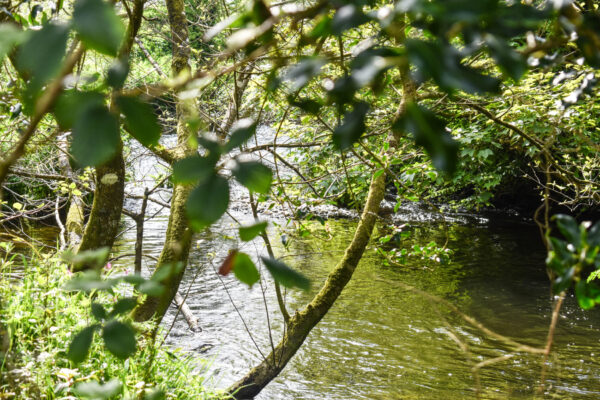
38	322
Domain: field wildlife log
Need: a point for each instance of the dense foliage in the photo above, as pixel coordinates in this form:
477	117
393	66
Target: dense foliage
456	103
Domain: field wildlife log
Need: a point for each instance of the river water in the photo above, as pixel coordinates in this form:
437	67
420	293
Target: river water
380	340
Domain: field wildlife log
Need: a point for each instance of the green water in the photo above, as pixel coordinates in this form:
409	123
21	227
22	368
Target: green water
381	341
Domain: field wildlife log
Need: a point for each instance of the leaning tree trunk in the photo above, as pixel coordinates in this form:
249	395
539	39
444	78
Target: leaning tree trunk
305	320
103	224
178	236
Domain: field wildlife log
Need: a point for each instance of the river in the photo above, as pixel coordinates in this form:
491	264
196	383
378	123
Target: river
380	340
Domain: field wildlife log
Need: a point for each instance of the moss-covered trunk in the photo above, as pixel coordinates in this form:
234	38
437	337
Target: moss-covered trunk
178	236
176	250
305	320
103	224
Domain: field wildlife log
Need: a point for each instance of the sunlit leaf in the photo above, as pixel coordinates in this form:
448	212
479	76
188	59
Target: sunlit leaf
151	288
88	281
583	297
167	271
155	394
95	258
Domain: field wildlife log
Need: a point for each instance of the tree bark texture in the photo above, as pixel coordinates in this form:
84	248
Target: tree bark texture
178	237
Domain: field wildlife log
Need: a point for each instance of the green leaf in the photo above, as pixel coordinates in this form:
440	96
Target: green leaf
310	106
569	227
322	27
347	17
245	270
594	235
134	279
429	131
155	394
93	258
300	74
72	103
581	292
286	276
95	136
443	63
254	175
241	131
193	169
80	346
117	74
98	26
141	122
123	306
40	56
98	311
151	288
94	390
119	339
166	271
352	127
208	202
248	233
564	281
88	281
10	36
561	250
510	62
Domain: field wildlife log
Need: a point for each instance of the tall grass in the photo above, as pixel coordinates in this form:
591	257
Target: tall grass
39	319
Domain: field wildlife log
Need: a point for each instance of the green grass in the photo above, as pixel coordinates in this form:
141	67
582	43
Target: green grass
40	319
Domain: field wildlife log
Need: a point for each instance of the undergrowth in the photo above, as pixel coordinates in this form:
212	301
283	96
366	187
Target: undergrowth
38	320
